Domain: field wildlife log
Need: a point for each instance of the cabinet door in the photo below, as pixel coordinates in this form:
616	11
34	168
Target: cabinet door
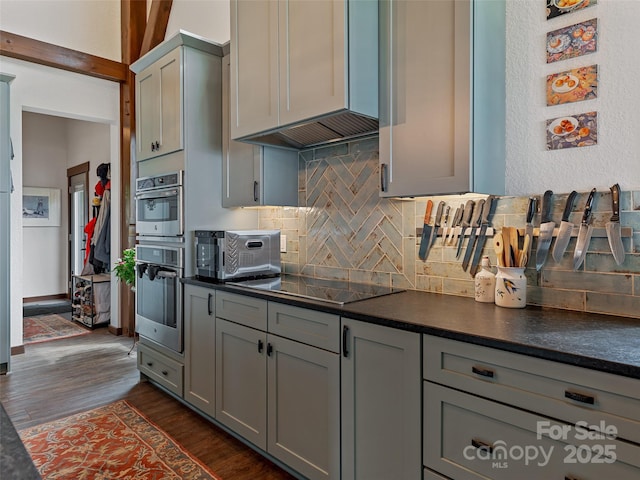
381	402
199	347
304	407
254	67
238	170
424	97
159	116
312	58
241	381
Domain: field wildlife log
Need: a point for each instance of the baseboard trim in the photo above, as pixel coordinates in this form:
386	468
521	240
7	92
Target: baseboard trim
115	330
59	296
19	350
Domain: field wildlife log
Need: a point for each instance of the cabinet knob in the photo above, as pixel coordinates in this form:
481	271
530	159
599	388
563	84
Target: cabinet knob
165	373
149	364
269	349
260	346
157	145
153	147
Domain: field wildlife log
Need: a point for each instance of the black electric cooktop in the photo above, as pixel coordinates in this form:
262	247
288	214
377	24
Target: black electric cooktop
333	291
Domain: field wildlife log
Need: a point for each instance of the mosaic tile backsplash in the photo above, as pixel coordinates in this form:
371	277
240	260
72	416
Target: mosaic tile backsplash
344	230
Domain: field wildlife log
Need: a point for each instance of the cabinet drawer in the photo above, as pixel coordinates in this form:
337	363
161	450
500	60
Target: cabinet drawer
567	392
166	371
242	309
314	328
466	437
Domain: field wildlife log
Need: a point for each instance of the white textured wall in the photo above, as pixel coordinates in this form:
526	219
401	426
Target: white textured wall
616	158
45	249
89	26
206	18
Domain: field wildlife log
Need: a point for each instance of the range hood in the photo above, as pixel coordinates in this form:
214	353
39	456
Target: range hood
334	127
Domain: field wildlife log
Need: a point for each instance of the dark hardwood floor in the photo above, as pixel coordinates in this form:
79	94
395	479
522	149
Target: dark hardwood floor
58	378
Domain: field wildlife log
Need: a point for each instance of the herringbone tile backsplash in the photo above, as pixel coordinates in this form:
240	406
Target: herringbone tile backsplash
344	230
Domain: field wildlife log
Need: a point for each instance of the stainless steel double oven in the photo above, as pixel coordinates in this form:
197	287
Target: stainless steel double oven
160	259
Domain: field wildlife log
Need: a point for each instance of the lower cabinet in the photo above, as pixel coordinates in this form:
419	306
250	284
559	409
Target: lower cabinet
381	402
199	351
280	394
160	367
491	414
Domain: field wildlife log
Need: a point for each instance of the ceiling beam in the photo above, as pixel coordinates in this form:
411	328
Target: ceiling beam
42	53
156	25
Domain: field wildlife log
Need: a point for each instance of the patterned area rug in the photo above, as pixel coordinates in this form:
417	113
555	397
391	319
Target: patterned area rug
43	328
110	442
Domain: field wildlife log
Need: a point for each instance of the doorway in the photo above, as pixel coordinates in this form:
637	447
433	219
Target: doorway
78	181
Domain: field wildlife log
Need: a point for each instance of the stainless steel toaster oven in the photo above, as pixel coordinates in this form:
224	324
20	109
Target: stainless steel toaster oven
223	255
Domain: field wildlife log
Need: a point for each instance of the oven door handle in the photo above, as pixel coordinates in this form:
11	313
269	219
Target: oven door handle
171	192
166	274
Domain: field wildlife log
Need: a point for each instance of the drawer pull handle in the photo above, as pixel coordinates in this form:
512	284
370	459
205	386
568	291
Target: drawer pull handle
579	397
485	372
570	477
480	445
149	364
260	346
209	310
165	373
269	349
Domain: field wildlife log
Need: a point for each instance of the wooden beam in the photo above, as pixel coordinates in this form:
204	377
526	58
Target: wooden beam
42	53
133	17
156	25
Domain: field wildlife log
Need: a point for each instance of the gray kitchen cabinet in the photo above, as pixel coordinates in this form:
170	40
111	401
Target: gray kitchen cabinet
381	402
480	403
280	394
441	97
254	175
295	61
161	365
199	348
159	119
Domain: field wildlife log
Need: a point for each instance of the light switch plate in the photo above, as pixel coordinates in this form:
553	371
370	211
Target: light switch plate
283	243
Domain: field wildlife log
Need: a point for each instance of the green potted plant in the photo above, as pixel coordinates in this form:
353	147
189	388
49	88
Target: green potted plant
125	267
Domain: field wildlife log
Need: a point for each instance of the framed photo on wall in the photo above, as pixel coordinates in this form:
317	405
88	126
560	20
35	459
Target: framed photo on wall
40	207
572	41
560	7
575	85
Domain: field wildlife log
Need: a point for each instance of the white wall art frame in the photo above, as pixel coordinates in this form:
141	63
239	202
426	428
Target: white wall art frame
40	207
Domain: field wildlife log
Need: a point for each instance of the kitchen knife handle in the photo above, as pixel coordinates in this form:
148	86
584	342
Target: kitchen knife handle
438	218
468	212
545	210
569	206
477	213
615	202
457	218
345	341
588	206
427	213
489	208
532	208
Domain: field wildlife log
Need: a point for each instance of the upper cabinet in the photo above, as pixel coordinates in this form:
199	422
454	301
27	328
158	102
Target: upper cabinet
159	106
441	79
254	175
301	71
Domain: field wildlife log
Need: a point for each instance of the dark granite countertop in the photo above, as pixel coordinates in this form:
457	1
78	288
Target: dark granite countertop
601	342
15	461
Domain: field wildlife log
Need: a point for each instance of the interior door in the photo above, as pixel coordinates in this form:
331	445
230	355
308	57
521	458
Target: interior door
78	179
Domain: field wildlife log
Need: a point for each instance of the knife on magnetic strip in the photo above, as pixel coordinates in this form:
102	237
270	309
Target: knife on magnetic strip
546	230
426	231
613	226
466	221
475	224
434	232
446	225
487	213
532	208
457	220
565	230
584	235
